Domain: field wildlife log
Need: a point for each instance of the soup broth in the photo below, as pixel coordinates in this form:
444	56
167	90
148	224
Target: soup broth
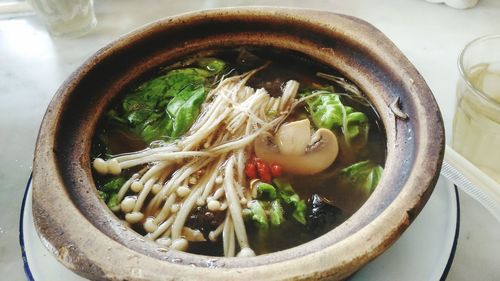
279	209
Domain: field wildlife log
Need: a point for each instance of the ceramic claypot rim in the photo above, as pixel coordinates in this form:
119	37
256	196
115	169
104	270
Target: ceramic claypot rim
396	216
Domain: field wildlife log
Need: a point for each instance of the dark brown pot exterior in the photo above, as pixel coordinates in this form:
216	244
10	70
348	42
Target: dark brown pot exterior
87	238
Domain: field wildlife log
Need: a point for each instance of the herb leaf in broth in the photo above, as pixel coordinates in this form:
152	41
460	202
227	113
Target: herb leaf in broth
269	202
165	107
327	111
185	107
276	213
364	175
357	125
109	192
265	190
265	213
290	197
211	64
259	214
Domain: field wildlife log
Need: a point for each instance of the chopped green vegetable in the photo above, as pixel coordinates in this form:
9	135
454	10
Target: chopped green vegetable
259	214
300	212
270	208
178	79
276	213
286	192
290	197
165	107
113	185
185	113
364	174
109	192
113	201
103	195
357	125
266	191
160	128
212	64
328	111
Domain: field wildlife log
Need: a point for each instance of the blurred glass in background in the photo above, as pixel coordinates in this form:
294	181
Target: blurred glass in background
476	126
71	18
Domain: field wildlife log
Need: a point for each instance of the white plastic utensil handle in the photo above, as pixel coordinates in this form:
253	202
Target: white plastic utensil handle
472	180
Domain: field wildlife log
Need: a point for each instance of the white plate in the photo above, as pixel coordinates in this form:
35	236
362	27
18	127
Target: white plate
424	252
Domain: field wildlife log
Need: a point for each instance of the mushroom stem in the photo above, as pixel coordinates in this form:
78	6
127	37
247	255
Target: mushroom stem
234	205
161	228
181	217
228	237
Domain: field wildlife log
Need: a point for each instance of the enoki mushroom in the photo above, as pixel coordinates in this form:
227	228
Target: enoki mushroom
203	168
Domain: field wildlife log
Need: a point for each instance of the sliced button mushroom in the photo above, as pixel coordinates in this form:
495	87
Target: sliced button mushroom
321	150
293	138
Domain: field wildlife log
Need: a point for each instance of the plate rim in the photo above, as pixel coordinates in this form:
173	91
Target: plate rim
26	266
455	239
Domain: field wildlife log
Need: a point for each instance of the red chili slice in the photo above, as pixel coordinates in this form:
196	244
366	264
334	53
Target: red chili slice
264	171
250	170
276	170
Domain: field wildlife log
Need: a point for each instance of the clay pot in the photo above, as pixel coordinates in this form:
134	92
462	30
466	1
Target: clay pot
89	239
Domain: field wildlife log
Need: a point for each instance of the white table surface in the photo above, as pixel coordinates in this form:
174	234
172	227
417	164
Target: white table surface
33	65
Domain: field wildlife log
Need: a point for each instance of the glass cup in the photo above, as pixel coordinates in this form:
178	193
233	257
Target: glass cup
70	18
476	126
